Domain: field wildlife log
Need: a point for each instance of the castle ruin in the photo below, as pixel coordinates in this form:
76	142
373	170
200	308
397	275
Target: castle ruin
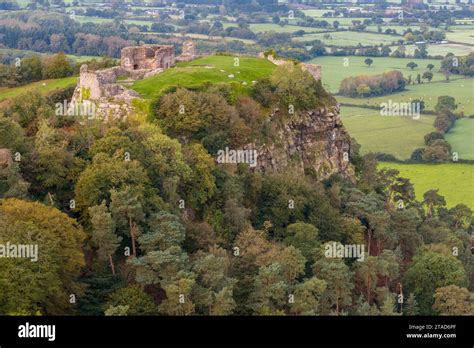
188	53
107	87
313	69
147	57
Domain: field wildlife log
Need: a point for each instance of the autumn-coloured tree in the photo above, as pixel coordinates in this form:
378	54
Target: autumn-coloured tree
453	300
42	286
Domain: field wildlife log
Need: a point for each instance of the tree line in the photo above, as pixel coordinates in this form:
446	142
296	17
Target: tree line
375	85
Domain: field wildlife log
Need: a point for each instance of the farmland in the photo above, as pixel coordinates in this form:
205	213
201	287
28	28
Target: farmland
461	89
461	35
21	53
454	180
396	135
335	70
461	138
441	49
342	38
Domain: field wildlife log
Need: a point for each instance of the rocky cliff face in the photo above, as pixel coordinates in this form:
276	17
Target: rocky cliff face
316	142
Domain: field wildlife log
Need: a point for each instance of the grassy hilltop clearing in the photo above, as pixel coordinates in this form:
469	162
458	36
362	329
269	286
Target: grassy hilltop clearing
212	69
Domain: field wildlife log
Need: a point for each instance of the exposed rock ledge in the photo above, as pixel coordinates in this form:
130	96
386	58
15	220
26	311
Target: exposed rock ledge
317	142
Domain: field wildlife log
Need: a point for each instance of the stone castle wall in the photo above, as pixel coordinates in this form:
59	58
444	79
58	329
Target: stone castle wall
108	93
147	57
89	80
95	85
313	69
188	52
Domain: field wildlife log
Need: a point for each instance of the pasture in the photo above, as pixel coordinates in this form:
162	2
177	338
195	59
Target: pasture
395	135
350	38
461	138
454	180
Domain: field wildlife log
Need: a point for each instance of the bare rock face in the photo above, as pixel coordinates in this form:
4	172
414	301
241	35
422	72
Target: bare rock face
5	158
315	141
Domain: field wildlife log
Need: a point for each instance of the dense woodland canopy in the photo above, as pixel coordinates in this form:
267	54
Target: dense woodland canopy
134	217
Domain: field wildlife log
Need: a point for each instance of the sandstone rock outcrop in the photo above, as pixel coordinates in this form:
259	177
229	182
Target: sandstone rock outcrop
316	142
5	158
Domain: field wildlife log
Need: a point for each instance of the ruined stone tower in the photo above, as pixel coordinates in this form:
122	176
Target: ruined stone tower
147	57
188	53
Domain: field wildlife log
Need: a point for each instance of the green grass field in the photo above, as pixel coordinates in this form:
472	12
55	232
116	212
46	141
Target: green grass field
213	69
460	34
396	135
262	27
206	37
12	52
316	13
460	89
454	180
399	28
43	86
80	59
461	138
319	15
350	38
441	49
24	3
334	70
